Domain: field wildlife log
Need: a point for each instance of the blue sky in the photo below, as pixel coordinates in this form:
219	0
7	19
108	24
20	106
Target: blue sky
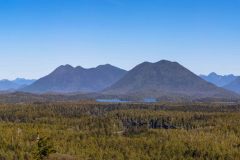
36	36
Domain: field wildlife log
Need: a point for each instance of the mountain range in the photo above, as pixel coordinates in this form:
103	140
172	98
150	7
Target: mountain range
7	85
219	80
67	79
161	80
229	82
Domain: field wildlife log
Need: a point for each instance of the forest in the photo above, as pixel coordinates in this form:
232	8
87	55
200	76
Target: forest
87	130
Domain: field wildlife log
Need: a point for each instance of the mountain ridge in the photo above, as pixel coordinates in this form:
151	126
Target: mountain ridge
9	85
67	78
219	80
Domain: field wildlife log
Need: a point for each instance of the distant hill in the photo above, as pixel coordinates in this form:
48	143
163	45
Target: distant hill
165	79
67	79
234	86
6	85
23	81
219	80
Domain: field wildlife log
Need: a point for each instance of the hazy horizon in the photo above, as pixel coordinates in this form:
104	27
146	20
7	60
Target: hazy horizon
38	36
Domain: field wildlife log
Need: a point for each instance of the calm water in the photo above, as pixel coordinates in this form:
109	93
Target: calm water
146	100
150	100
111	100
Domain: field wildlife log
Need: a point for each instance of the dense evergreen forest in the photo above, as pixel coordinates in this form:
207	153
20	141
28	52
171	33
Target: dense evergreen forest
119	131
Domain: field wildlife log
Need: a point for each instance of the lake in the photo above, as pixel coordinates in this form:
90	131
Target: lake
145	100
111	101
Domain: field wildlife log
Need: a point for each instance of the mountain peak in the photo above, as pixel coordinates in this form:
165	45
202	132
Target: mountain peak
165	61
66	66
213	74
79	68
63	68
161	63
163	78
106	66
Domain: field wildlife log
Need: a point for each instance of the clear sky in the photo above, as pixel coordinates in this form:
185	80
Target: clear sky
36	36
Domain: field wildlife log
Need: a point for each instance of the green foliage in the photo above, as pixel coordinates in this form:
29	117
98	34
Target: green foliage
95	131
43	148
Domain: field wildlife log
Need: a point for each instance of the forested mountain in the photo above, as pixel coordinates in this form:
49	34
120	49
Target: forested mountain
165	78
67	79
219	80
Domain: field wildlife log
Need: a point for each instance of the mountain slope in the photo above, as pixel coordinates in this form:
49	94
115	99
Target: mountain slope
219	80
165	78
234	86
69	79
